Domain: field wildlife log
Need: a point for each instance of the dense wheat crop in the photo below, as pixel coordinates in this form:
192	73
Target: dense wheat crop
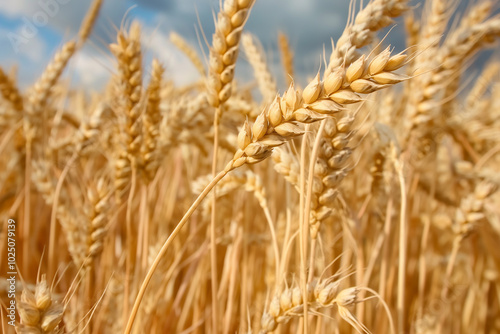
363	200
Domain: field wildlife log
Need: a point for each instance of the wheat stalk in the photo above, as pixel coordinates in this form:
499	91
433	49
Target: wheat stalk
286	57
437	15
188	50
256	58
427	224
89	21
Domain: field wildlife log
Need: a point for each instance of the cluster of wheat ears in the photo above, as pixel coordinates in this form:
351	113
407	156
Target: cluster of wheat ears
361	201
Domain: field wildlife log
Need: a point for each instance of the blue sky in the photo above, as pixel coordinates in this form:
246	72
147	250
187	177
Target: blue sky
49	23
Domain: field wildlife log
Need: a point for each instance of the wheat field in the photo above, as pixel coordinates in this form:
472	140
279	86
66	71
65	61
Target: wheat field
361	200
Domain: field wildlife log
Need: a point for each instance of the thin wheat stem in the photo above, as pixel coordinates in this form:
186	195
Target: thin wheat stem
27	206
312	162
165	247
384	304
304	228
449	268
422	267
274	242
145	227
398	165
130	241
377	248
53	215
213	245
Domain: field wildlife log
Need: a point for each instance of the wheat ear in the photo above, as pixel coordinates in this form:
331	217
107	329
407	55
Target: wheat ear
470	212
256	58
490	73
461	45
129	91
151	122
330	169
224	50
437	19
188	50
324	293
468	216
286	57
222	61
89	128
377	15
280	121
186	116
413	27
89	21
96	229
42	89
10	92
286	164
39	312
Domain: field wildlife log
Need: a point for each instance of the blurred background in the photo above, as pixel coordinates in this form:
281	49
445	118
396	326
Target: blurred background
32	30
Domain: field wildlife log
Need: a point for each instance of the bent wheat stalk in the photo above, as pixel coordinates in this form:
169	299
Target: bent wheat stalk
280	122
165	247
222	61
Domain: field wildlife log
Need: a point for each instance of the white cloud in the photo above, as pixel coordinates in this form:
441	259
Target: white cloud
92	69
62	16
33	48
309	25
16	8
179	67
28	54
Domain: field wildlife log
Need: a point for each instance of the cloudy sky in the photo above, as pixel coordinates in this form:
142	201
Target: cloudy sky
31	31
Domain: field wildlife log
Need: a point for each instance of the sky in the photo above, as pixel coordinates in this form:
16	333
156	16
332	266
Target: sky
32	30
